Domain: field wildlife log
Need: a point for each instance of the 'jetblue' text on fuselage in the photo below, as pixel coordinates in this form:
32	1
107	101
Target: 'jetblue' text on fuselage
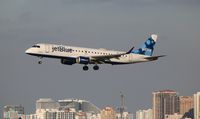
61	49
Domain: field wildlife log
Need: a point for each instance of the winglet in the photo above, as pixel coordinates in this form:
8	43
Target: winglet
130	50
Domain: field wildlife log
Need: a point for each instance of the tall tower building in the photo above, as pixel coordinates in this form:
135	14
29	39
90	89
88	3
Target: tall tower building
108	113
197	105
165	102
186	104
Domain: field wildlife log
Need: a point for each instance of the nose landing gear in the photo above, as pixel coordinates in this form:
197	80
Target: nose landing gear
40	60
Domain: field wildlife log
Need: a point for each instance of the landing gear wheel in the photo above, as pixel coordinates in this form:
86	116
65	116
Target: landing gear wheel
96	67
39	62
85	68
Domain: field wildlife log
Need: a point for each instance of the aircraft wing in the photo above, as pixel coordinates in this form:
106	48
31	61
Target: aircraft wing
105	57
154	57
100	59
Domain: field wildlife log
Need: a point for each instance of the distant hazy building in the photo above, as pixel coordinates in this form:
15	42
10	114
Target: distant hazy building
144	114
81	115
186	106
79	105
93	116
125	115
197	105
56	114
30	116
66	114
46	103
46	108
46	113
165	102
108	113
13	111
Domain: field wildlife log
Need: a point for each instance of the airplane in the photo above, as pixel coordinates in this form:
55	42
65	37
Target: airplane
70	55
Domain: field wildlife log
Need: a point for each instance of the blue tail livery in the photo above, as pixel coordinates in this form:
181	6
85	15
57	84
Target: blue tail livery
148	46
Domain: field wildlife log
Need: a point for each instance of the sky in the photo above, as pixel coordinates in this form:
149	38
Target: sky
110	24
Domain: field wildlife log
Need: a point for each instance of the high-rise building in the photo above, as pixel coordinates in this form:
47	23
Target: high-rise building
144	114
79	105
197	105
186	104
108	113
165	102
46	108
13	111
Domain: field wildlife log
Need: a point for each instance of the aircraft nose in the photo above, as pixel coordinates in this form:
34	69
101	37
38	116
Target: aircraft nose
27	51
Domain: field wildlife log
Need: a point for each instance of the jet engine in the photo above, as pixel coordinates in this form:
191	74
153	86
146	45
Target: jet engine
83	60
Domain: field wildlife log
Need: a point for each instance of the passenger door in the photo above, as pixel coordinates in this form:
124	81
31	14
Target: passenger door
47	48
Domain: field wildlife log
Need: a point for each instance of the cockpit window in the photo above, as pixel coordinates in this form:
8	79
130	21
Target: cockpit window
36	46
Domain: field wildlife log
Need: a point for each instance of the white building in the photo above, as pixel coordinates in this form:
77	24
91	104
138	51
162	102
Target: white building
125	115
46	103
93	116
66	114
56	114
30	116
197	105
144	114
79	105
46	108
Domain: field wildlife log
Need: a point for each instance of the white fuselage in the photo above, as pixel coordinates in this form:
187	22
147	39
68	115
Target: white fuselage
63	51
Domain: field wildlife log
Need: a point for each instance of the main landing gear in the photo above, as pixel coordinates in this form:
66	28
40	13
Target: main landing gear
96	67
85	68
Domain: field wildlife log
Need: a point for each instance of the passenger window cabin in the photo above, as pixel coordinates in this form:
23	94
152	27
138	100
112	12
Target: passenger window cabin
36	46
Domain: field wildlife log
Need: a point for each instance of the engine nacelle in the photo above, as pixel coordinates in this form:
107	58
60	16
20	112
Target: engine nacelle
68	61
83	60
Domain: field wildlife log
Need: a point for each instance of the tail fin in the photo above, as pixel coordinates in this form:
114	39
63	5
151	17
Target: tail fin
148	47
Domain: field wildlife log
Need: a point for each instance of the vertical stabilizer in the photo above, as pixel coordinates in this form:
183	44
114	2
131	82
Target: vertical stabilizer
148	47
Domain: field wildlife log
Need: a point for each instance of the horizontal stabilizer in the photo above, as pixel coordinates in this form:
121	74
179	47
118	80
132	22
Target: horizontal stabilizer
154	57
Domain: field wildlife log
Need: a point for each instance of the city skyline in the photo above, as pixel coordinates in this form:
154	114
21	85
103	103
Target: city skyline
112	24
167	102
66	108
